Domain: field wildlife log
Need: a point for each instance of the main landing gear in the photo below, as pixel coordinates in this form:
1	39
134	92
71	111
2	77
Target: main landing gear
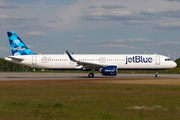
157	74
91	75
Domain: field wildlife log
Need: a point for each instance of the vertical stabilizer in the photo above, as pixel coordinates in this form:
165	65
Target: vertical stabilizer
17	45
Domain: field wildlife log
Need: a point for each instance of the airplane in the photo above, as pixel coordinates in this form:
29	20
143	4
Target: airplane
107	64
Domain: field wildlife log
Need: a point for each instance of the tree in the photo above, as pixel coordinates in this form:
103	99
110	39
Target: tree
9	66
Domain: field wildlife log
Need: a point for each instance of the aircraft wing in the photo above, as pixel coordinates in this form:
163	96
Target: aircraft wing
84	64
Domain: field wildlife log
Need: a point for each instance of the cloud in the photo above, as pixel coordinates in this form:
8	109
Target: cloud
118	40
133	48
79	41
161	31
5	49
15	20
133	18
80	36
129	40
144	1
167	43
53	21
116	16
60	19
134	22
92	6
168	26
112	6
36	34
7	6
173	13
149	11
138	40
113	45
173	0
145	17
47	2
6	17
22	1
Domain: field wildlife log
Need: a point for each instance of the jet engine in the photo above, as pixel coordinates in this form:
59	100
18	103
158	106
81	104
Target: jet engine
109	70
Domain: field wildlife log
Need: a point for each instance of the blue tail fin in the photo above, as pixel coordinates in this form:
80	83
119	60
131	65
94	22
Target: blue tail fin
17	45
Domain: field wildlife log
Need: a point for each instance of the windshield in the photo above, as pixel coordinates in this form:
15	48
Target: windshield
167	59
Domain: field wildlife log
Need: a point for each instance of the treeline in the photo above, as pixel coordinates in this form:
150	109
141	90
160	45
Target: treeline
6	66
178	62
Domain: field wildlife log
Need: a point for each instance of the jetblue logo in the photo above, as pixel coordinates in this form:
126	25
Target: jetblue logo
102	60
138	59
110	70
18	48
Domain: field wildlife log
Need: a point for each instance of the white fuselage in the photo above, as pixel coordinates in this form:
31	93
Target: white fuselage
122	61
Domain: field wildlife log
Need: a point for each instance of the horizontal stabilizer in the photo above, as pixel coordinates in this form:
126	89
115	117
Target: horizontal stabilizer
14	58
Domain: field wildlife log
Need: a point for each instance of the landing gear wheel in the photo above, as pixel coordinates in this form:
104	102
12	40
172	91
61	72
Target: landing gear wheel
91	75
157	75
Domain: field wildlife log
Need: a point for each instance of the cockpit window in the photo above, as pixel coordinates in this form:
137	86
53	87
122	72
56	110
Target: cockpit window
167	59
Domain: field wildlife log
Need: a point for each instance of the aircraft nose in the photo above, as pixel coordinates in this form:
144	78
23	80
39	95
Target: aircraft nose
174	64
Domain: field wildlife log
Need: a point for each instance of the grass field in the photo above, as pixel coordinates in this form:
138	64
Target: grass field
90	99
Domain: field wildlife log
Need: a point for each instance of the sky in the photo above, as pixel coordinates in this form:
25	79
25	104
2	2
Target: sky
92	26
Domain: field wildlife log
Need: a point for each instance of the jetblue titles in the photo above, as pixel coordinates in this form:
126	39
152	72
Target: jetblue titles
138	59
18	48
110	70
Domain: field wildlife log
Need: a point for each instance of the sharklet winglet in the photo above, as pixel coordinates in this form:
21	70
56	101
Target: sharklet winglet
70	57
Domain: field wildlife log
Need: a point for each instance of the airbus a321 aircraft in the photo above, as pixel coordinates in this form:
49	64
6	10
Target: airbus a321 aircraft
107	64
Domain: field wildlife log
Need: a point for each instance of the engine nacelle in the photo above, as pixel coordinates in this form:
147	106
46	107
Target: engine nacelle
109	70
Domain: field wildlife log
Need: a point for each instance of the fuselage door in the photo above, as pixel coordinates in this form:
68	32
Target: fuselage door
34	60
157	60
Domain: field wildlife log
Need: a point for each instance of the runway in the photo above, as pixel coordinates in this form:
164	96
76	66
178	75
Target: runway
70	76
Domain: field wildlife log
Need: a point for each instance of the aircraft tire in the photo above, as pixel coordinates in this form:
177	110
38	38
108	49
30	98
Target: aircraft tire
157	75
91	75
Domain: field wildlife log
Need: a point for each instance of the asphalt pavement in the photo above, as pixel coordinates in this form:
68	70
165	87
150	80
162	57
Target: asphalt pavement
62	76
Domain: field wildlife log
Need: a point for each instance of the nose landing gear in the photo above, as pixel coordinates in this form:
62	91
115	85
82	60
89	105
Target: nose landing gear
157	74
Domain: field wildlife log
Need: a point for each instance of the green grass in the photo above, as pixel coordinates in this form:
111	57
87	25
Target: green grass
90	101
